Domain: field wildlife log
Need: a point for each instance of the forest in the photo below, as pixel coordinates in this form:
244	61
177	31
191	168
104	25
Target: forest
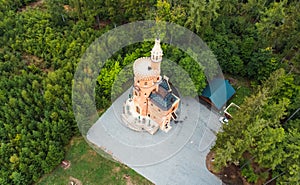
41	43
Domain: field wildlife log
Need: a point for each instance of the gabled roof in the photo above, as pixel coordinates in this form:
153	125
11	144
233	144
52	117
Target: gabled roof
219	91
164	97
164	103
164	84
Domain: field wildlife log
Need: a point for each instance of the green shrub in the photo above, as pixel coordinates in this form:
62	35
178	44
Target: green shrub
249	174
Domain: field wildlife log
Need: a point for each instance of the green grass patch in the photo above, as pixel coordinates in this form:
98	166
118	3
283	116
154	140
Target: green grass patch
232	110
242	87
241	93
91	168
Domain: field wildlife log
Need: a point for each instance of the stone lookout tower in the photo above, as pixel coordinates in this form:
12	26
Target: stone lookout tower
152	104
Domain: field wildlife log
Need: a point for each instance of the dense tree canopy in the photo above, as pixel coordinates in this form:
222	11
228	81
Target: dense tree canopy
258	129
42	42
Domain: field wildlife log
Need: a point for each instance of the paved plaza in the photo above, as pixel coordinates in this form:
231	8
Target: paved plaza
176	157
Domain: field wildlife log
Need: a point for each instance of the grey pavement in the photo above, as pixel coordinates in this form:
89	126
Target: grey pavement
176	157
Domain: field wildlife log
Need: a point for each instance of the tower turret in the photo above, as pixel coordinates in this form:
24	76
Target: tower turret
156	55
153	104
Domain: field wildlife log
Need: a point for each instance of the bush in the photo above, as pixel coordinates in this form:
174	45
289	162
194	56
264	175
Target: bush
249	174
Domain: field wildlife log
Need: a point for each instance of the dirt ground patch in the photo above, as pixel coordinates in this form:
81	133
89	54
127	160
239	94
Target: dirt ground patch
32	5
36	61
128	180
229	175
74	181
116	169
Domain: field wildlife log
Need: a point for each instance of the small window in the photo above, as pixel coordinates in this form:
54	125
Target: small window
137	109
145	94
157	78
158	110
145	103
173	108
135	93
146	83
151	104
138	81
149	115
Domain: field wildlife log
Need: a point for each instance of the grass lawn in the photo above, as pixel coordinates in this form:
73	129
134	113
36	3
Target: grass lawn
241	93
90	168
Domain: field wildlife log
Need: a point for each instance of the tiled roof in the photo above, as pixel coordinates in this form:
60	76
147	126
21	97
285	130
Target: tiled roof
164	84
219	91
165	103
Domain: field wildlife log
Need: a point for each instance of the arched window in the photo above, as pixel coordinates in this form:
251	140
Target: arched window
137	109
173	108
